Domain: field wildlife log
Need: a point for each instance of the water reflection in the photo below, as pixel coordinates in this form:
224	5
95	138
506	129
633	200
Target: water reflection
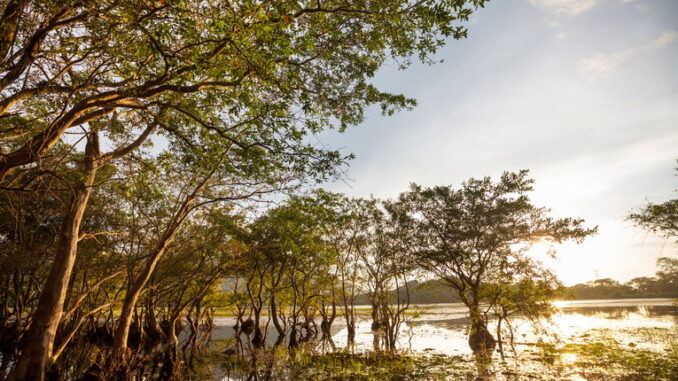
623	312
442	329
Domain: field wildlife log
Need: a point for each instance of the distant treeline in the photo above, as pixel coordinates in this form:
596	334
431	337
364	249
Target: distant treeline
642	287
663	285
427	292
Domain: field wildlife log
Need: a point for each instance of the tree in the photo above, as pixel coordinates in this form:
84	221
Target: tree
523	288
381	267
470	236
658	218
667	275
662	219
210	64
290	268
256	78
348	235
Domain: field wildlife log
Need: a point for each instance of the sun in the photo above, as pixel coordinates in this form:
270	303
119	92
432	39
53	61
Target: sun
568	260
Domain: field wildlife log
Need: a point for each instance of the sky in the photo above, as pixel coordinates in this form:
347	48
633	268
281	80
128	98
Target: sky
583	93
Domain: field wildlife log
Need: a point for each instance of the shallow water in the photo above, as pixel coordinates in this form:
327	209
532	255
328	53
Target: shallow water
441	328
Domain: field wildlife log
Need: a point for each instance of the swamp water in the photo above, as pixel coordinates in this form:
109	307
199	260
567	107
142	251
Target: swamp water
629	339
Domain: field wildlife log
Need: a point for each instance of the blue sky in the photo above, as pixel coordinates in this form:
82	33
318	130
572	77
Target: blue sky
584	93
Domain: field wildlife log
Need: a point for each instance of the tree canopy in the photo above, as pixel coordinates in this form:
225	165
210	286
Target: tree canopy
257	75
661	218
477	236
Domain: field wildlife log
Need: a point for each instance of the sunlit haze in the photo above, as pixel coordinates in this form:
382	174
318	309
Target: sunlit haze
581	92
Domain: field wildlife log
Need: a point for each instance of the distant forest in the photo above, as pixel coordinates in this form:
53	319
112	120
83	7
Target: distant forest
662	285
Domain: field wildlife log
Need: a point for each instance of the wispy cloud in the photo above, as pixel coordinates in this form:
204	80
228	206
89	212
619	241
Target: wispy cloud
571	7
605	64
639	6
663	40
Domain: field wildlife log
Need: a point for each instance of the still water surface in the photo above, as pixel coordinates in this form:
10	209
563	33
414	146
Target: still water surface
441	328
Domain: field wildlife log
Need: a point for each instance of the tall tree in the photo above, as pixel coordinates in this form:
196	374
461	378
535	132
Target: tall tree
385	269
39	340
469	236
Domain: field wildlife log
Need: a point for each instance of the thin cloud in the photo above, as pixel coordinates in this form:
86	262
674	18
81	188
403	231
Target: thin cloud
571	7
561	36
638	5
605	64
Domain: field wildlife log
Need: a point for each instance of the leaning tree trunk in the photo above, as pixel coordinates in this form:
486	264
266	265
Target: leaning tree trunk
39	340
274	316
132	295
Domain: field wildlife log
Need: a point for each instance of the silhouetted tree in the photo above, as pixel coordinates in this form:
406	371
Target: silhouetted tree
469	237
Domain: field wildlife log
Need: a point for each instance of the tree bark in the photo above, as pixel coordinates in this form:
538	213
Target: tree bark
39	340
499	339
172	337
274	315
9	25
258	339
480	339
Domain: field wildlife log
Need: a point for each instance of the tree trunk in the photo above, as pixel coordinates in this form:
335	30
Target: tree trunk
293	337
499	339
350	338
39	340
9	25
349	317
480	339
152	323
258	340
274	315
132	295
172	337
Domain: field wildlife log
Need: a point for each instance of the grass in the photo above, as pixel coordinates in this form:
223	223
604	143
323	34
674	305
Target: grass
279	364
595	361
601	360
371	366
